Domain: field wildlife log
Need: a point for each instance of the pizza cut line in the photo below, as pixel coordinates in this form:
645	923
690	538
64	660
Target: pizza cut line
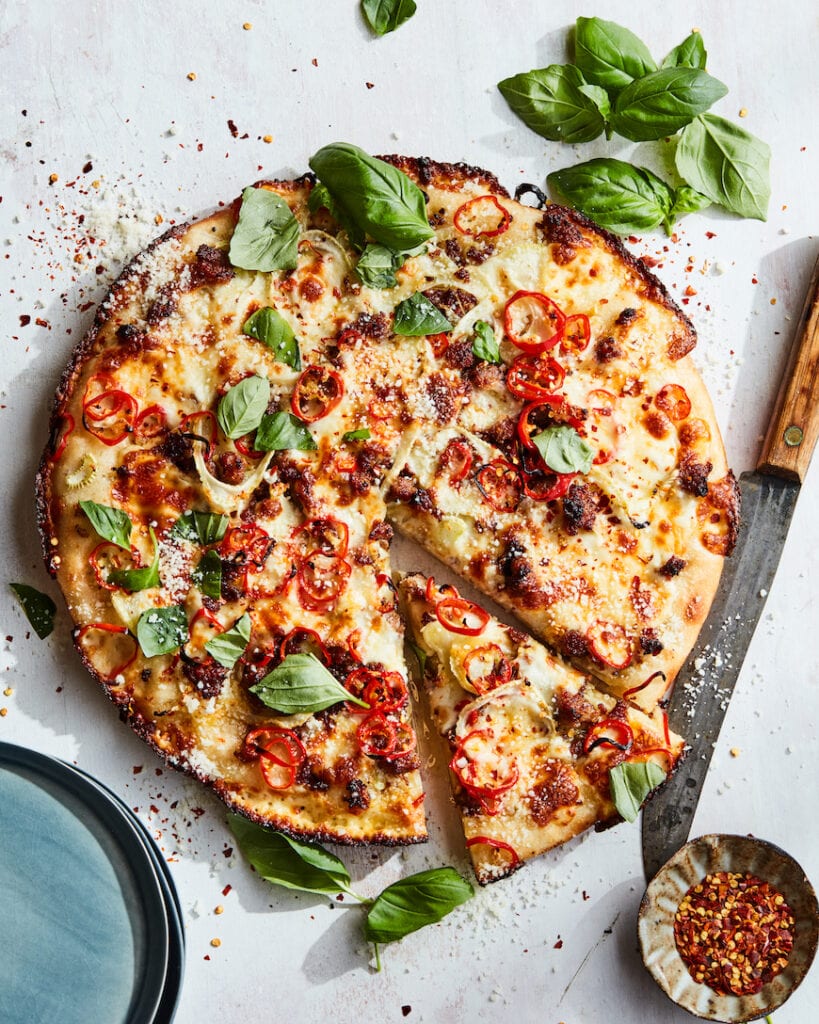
232	449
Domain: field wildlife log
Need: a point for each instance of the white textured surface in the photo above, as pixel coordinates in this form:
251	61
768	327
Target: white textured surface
105	81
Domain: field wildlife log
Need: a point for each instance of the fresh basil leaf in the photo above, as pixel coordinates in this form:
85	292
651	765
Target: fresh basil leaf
385	16
663	102
241	408
554	102
689	54
320	197
599	97
282	431
206	527
727	164
615	194
162	630
609	55
39	608
300	684
266	236
686	200
375	196
291	863
484	344
228	647
421	656
631	782
413	902
207	575
112	524
270	328
362	434
564	450
377	266
417	316
134	580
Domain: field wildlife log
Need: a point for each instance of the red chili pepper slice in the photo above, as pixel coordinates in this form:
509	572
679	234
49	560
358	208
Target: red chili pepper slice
610	732
673	400
666	730
496	844
206	431
353	641
642	686
377	735
458	457
461	616
350	336
318	391
576	333
439	343
326	534
106	627
433	594
66	424
387	691
151	422
321	580
539	412
203	627
470	218
533	321
545	486
280	753
107	557
110	415
610	644
246	545
244	446
534	376
486	791
486	667
303	641
646	753
499	483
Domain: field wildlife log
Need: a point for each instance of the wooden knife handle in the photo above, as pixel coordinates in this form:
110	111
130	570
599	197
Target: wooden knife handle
794	426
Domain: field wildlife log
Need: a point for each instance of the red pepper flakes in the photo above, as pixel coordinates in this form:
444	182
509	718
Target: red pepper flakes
734	932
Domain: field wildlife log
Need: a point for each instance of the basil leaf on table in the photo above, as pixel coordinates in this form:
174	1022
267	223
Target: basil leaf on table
228	647
291	863
686	200
362	434
266	236
663	102
282	431
485	344
205	527
385	16
300	684
630	783
416	316
269	327
413	902
689	54
242	407
376	197
564	450
555	103
207	575
609	55
134	580
727	164
377	266
615	194
39	608
162	630
112	524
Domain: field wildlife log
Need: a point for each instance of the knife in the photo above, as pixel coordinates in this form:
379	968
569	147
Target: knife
704	686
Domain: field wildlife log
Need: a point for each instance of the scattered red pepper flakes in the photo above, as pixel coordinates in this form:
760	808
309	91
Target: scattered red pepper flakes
734	932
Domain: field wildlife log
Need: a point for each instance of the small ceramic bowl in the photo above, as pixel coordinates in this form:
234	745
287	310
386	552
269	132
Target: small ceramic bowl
655	927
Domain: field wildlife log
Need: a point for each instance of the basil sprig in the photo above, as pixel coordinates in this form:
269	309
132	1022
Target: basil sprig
377	265
385	16
134	580
417	316
282	431
269	327
39	608
485	344
564	450
413	902
228	647
609	55
205	527
112	524
208	575
162	630
266	236
302	684
631	782
242	407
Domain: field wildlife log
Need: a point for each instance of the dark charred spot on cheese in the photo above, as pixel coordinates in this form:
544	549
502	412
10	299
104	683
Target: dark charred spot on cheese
438	218
345	768
403	486
650	643
314	775
560	230
358	798
422	501
453	302
425	169
453	249
607	349
401	765
485	375
211	266
579	509
478	564
340	662
478	254
372	325
178	449
627	316
233	580
164	305
143	482
459	355
632	387
673	567
441	396
681	344
381	532
657	424
693	475
518	574
555	789
207	676
573	709
502	434
311	289
230	468
574	645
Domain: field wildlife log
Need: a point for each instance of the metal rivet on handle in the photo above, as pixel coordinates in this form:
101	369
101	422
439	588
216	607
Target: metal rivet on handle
793	436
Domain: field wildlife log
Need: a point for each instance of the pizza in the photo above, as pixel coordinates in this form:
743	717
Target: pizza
532	740
268	392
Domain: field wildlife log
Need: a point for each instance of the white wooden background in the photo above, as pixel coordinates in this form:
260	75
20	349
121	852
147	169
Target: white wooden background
106	82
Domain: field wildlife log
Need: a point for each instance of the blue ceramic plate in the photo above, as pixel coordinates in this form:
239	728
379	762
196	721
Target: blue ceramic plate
81	897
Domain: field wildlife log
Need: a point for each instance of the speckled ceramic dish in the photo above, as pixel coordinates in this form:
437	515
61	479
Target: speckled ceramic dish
655	928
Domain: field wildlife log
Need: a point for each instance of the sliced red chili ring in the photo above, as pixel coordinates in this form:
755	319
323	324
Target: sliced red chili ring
104	558
350	336
495	844
543	486
499	483
610	644
244	446
533	321
317	392
353	640
321	580
302	640
110	416
646	752
666	729
486	667
461	616
357	682
97	384
280	753
376	735
642	686
464	768
534	376
151	422
433	593
386	690
326	534
190	427
673	400
439	343
63	429
203	622
248	545
107	627
471	215
611	732
576	333
457	457
536	409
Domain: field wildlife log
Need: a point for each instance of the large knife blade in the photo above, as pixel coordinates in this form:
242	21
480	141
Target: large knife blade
704	686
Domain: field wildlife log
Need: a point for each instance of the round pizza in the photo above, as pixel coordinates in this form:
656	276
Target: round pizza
266	394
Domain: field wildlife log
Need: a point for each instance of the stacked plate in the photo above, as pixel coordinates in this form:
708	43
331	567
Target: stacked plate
91	918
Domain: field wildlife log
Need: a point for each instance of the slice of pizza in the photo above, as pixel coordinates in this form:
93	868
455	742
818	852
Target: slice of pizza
532	740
